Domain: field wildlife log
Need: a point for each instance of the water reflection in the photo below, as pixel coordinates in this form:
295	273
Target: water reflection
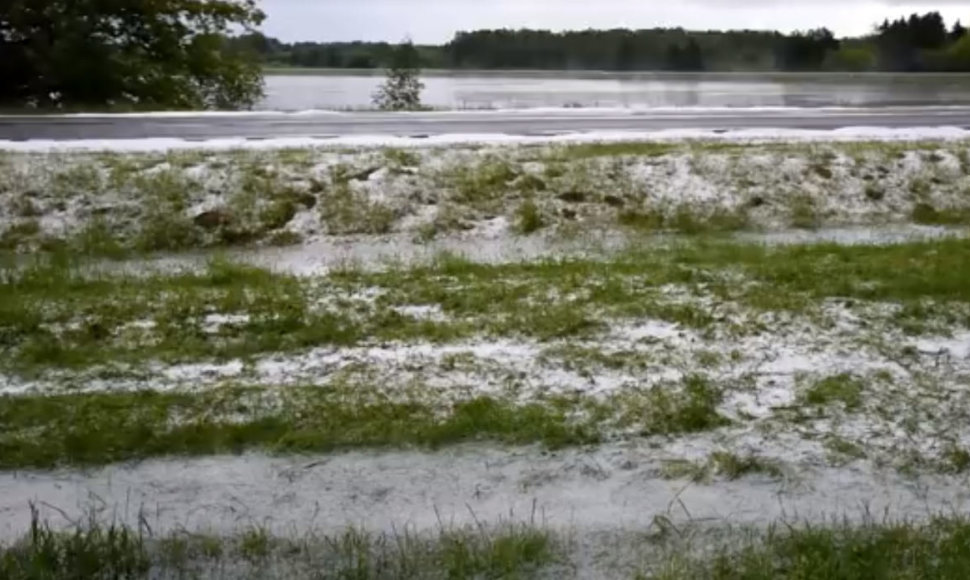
464	91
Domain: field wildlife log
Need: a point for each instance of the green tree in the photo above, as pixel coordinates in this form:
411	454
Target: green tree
402	88
851	59
957	57
626	54
170	54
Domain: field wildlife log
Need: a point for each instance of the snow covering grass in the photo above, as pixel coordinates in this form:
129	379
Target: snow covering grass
117	204
230	311
810	355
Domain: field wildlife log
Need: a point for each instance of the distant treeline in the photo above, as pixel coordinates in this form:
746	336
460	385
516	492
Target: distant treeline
914	44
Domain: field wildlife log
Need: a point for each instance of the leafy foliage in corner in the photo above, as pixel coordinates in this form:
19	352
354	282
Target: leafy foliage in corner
171	54
402	89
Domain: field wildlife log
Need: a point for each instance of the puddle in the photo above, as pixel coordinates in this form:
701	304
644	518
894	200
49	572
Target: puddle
610	489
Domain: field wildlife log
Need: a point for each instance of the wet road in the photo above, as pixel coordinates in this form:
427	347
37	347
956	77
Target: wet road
535	122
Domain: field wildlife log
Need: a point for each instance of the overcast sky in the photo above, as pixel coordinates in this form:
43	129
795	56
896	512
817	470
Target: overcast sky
436	21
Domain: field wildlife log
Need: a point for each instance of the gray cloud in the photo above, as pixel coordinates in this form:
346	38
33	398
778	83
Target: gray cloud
433	21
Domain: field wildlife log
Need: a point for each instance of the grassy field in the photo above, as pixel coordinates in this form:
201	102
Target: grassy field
681	364
92	345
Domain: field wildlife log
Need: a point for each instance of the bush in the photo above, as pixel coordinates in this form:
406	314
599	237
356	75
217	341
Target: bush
402	89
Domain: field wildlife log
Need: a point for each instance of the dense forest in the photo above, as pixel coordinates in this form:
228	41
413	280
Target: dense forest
917	43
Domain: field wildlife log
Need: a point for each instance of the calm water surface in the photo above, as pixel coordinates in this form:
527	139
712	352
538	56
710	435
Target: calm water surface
526	90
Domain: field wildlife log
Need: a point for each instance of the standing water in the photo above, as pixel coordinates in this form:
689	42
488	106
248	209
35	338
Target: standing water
520	90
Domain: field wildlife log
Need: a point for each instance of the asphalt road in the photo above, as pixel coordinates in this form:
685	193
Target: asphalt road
321	125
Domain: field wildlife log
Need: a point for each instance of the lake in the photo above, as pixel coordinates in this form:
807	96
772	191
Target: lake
301	90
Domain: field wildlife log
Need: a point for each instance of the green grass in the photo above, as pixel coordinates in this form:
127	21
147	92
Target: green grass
95	552
43	431
93	429
665	411
696	472
402	157
482	185
56	315
98	551
936	549
875	193
19	234
822	170
648	219
939	549
842	451
954	460
804	214
927	214
729	466
733	466
98	239
51	295
684	220
590	360
528	218
345	211
616	149
845	389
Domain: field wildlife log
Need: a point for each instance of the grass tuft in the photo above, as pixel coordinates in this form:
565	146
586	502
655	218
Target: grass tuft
346	211
804	213
844	388
925	213
662	410
733	466
616	149
528	219
939	548
684	220
95	552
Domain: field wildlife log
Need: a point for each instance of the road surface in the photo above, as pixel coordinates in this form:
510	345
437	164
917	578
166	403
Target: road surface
324	125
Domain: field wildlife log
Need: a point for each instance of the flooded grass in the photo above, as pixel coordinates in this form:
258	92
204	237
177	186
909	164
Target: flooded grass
869	550
95	550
